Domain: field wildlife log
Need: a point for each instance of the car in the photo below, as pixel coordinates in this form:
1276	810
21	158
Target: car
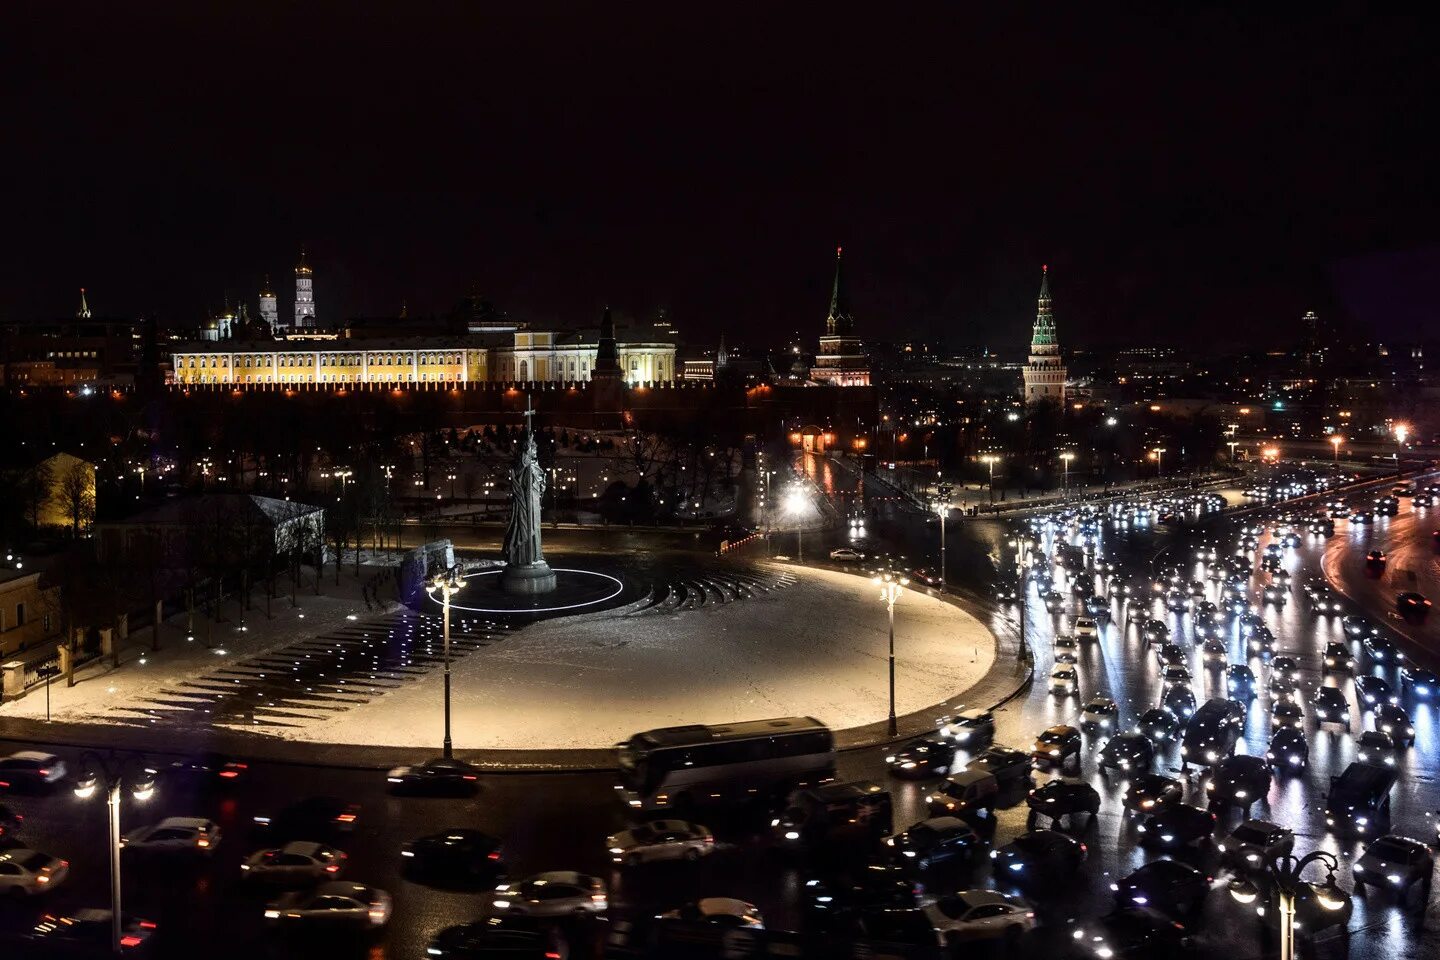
1086	628
721	911
1337	659
1420	686
1099	713
1375	560
928	756
1373	691
1239	681
321	819
1410	605
1006	593
1059	799
1038	858
438	776
1160	724
660	840
1148	792
1381	649
298	863
970	730
493	938
1214	652
1375	747
1396	722
1128	752
1180	701
1064	681
832	898
1330	706
174	835
931	578
1155	631
89	932
1006	764
25	872
1175	889
558	893
1054	601
1177	825
10	821
1395	863
846	554
203	773
1286	713
1066	641
1057	746
1362	516
1131	933
1357	627
980	915
1276	594
1175	674
1239	781
331	905
455	856
1284	669
1288	749
934	842
1253	845
30	769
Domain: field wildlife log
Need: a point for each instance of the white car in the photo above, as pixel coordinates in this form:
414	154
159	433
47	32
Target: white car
1086	629
847	554
661	840
980	915
174	835
723	911
1064	681
300	863
338	902
27	872
560	893
31	768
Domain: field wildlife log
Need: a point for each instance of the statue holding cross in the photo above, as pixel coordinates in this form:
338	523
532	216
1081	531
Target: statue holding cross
525	568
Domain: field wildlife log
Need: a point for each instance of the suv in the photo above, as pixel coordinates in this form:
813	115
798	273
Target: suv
1007	764
1239	780
1359	800
970	730
1059	799
935	841
848	816
1254	844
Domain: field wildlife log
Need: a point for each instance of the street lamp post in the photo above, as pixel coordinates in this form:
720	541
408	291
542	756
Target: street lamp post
1336	443
795	504
891	587
447	584
942	507
1401	432
1065	458
1232	445
1158	455
989	459
114	775
1284	873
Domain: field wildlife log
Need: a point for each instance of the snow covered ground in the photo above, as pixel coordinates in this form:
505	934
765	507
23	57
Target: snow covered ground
817	648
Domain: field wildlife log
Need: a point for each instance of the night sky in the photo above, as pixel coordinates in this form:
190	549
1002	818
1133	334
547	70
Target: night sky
1200	179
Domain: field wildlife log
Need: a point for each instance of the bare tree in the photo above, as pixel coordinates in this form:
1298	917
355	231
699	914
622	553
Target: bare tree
76	496
36	486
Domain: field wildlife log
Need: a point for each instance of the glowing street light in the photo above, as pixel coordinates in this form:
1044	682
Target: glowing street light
891	587
1158	455
95	772
1284	874
797	504
1337	442
990	460
1401	432
447	584
1065	458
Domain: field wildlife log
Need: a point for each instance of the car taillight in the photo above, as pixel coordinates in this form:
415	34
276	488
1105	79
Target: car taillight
202	841
469	776
345	818
493	855
42	773
147	924
333	868
130	940
551	955
229	774
42	878
597	898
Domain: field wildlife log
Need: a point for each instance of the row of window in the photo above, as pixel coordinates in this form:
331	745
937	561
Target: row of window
303	360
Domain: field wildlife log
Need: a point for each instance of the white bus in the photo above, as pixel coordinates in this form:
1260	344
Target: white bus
682	767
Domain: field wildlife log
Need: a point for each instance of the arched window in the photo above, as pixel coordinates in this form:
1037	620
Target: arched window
524	370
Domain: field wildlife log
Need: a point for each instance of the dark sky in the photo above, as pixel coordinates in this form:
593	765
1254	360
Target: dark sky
1201	178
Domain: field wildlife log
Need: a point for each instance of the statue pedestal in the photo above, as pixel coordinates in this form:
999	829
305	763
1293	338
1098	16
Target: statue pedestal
528	580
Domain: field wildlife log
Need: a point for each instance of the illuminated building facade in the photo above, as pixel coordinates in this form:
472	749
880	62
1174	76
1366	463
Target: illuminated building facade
841	361
1045	373
304	295
269	312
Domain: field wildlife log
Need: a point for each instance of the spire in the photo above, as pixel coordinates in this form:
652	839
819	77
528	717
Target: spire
1044	334
607	356
265	290
84	311
302	268
839	321
722	356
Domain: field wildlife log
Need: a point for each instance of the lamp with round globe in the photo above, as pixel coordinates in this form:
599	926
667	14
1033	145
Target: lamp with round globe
115	774
1284	873
446	583
891	587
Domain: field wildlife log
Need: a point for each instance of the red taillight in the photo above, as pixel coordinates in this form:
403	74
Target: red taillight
469	776
130	940
346	818
43	773
333	868
229	774
493	855
551	955
147	924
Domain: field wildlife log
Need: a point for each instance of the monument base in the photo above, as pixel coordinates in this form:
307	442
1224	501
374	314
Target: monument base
529	580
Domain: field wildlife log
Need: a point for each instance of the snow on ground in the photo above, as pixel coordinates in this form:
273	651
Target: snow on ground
101	687
817	648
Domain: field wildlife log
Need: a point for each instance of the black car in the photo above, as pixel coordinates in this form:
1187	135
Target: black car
88	933
1396	722
204	773
1128	752
1381	649
1038	858
971	730
1337	658
459	855
1330	706
1180	701
1059	799
1376	748
494	938
1357	627
909	926
1239	781
437	776
1131	933
1371	692
1006	764
1177	825
321	819
1158	725
1284	672
1006	593
1152	791
830	900
1396	863
931	756
1169	886
938	841
1288	749
1421	686
1240	681
1254	844
1412	606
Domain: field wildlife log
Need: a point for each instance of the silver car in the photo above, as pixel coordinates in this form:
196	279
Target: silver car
661	840
337	902
560	893
25	872
174	835
300	863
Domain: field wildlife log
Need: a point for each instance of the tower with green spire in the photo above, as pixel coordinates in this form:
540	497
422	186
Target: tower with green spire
1045	372
841	361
